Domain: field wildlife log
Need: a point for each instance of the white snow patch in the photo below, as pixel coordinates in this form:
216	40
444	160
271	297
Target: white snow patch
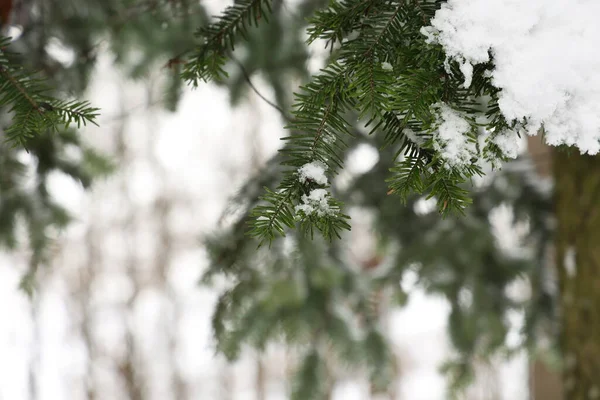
451	139
315	203
329	138
314	171
413	137
545	56
386	66
467	69
508	142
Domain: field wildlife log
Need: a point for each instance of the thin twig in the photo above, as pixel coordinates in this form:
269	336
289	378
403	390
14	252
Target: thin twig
246	78
255	90
16	84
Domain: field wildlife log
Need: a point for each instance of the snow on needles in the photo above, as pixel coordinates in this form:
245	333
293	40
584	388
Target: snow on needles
315	203
546	60
451	137
508	142
314	171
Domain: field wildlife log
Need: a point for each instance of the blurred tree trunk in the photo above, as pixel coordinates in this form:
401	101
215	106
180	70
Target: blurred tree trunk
129	368
261	378
5	10
34	363
163	206
227	383
87	276
545	382
577	202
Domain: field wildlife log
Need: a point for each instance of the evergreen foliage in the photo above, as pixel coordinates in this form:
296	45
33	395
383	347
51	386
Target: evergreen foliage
39	124
221	35
381	75
33	111
383	69
40	118
457	258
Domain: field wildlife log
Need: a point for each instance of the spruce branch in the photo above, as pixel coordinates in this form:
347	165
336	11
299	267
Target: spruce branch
208	61
342	18
17	85
406	177
33	110
272	217
387	72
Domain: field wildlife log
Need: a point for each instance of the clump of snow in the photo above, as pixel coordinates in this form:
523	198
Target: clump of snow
386	66
467	69
508	142
430	34
451	137
314	171
315	203
413	137
329	138
546	60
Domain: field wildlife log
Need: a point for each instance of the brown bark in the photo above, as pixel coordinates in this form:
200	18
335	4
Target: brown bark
5	10
544	381
541	155
577	202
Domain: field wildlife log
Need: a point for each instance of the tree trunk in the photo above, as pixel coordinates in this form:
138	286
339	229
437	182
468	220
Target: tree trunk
577	202
545	383
544	380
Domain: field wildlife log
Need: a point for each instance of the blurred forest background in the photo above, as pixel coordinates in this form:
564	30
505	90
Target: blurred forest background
129	239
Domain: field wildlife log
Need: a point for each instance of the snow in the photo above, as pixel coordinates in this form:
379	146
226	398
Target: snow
450	137
314	171
545	56
467	69
329	138
386	66
508	142
315	203
413	137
